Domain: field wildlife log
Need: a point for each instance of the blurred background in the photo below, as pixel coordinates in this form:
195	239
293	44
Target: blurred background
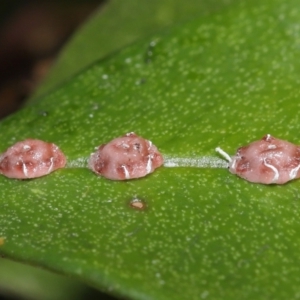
32	34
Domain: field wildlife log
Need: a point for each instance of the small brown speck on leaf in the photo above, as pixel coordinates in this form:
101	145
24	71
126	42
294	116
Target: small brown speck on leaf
137	204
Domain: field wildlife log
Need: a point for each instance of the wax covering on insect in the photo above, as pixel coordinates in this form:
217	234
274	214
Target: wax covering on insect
30	159
269	160
126	157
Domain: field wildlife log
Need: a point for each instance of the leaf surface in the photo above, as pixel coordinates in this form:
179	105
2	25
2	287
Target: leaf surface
26	282
222	80
119	23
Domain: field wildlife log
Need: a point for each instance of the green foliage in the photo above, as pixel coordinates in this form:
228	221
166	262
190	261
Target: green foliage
27	282
221	80
120	23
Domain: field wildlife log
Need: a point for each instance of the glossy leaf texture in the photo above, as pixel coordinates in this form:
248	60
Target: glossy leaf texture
222	80
119	23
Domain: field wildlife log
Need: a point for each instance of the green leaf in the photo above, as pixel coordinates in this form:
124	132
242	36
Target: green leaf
119	23
221	80
27	282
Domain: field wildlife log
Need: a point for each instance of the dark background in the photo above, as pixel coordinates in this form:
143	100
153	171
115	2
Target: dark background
31	36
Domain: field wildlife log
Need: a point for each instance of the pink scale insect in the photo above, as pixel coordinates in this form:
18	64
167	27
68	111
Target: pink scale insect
31	159
126	157
267	161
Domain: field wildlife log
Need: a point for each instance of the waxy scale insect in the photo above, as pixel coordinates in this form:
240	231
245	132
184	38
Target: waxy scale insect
269	160
126	157
30	159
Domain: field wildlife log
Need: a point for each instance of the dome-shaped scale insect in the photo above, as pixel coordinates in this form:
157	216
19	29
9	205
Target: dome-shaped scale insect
269	160
30	159
126	157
